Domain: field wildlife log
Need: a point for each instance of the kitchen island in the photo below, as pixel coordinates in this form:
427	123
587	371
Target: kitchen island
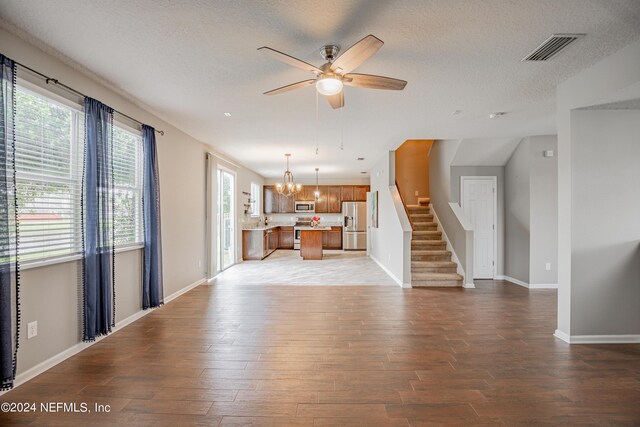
311	242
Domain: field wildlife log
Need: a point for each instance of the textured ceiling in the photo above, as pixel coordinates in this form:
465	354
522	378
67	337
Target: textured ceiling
191	61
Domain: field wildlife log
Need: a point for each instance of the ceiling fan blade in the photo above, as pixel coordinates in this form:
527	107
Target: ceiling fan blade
290	60
337	100
357	54
373	82
292	86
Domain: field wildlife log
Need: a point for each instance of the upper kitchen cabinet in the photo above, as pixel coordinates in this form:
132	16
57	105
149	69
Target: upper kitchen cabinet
306	195
334	199
271	199
287	204
347	193
322	205
360	193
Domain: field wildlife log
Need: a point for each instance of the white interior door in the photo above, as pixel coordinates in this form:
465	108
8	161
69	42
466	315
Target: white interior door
478	196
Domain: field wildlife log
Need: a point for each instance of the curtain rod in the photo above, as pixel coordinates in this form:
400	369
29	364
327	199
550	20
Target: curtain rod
48	80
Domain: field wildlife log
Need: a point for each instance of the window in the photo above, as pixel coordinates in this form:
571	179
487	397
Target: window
49	162
255	199
127	169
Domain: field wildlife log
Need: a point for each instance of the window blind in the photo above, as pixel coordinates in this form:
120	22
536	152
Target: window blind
49	162
49	159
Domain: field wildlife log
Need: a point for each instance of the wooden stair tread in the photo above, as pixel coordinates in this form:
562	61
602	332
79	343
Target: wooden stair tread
431	252
433	264
436	276
430	242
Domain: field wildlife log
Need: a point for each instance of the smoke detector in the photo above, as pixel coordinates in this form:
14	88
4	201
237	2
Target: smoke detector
497	115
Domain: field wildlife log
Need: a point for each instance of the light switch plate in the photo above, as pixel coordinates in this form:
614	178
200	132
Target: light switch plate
548	266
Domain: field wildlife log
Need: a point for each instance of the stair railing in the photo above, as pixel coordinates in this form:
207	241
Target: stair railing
404	204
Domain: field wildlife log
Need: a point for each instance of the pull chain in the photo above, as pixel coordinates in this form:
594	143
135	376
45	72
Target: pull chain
341	129
317	125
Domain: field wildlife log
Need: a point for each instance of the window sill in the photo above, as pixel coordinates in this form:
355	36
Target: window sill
28	265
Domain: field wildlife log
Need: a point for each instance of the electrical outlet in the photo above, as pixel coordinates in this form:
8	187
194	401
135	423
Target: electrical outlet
417	192
32	329
389	256
199	263
548	266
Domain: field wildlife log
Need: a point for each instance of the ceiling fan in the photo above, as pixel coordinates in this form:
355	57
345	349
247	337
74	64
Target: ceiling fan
336	72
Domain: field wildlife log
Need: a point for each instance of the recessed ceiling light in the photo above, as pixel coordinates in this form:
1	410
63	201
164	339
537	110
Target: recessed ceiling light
456	112
497	115
363	172
360	158
227	114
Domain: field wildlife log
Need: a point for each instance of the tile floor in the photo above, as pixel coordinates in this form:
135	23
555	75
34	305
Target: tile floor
286	267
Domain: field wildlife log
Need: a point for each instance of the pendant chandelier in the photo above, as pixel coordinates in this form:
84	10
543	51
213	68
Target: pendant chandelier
316	194
288	187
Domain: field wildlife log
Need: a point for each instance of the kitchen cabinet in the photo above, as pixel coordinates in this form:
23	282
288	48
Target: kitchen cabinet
360	193
260	243
332	239
271	199
322	205
287	204
306	195
334	199
286	238
273	237
354	193
347	193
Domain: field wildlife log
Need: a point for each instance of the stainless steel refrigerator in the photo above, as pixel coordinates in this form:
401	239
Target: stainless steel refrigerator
354	231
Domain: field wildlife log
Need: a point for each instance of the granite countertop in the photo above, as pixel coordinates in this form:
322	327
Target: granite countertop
324	226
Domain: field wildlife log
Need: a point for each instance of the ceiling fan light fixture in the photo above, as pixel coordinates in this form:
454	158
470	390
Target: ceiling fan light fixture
329	84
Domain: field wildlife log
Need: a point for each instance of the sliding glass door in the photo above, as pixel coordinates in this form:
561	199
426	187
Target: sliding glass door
226	220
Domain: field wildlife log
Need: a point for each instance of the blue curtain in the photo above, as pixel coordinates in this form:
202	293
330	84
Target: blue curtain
98	262
152	288
9	265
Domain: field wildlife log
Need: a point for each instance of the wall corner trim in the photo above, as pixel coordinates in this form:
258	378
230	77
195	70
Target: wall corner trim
77	348
561	335
512	280
527	285
389	273
597	339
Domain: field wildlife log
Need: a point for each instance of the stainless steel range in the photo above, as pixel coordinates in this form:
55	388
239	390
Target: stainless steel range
301	224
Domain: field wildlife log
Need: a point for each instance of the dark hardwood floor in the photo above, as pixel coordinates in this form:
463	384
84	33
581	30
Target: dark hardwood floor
352	356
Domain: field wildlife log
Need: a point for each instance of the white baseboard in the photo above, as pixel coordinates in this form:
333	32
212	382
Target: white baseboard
512	280
597	339
527	285
390	274
561	335
185	290
543	286
73	350
469	286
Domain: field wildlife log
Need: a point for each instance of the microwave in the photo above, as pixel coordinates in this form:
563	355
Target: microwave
305	207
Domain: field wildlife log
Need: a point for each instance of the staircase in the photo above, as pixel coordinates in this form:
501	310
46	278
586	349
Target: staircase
431	264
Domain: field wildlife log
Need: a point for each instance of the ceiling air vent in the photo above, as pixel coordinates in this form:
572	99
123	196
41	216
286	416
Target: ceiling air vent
551	46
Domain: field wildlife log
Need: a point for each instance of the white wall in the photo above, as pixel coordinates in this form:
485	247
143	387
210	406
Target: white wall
517	213
606	223
51	294
388	244
612	79
531	212
543	218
